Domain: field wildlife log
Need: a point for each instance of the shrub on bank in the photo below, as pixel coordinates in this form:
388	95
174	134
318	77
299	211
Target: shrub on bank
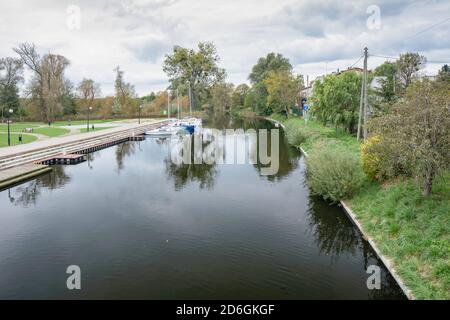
334	173
370	161
382	160
295	134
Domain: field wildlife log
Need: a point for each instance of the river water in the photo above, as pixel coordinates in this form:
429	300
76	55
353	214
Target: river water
140	226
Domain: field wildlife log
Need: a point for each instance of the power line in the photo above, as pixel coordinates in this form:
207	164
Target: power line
359	59
383	56
395	58
426	29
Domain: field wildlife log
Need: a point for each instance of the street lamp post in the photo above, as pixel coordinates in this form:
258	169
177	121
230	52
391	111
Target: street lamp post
89	111
140	108
9	131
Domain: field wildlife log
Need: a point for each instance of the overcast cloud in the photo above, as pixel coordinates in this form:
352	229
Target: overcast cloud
318	36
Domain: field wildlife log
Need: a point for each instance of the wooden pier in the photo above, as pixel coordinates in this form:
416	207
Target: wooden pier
137	138
63	159
32	161
78	156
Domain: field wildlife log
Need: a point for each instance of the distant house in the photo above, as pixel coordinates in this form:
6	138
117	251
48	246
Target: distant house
308	91
351	69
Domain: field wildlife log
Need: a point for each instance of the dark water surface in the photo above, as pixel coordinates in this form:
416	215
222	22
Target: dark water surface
140	226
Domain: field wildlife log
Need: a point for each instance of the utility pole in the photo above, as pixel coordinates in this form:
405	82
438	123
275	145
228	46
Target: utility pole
363	102
366	101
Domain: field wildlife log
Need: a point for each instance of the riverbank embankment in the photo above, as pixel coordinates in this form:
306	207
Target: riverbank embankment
408	231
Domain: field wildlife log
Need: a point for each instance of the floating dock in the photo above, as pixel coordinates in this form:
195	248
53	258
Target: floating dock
137	138
78	156
32	161
63	159
19	174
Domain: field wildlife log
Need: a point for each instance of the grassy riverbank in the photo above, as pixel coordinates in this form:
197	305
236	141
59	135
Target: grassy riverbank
412	230
26	138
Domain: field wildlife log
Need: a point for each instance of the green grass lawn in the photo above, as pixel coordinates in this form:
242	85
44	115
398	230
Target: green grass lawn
317	133
19	126
15	139
412	230
51	131
38	127
84	130
78	122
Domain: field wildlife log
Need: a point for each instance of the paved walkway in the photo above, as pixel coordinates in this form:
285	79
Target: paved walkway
40	144
96	125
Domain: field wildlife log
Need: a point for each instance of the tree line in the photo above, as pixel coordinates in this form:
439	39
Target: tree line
273	85
49	95
194	74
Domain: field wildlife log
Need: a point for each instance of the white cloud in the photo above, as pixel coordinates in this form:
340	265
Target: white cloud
315	35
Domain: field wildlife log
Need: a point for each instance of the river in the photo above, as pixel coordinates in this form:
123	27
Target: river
140	226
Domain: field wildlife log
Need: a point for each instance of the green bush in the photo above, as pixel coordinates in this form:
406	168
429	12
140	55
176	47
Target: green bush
295	134
334	173
370	161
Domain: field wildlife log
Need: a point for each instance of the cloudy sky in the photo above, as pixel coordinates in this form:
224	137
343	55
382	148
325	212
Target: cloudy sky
317	36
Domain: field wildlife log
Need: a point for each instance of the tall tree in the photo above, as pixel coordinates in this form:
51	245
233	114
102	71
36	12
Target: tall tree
221	99
444	74
283	89
239	94
88	90
417	133
124	94
408	65
272	62
53	67
256	99
68	98
48	81
11	73
197	69
336	100
387	71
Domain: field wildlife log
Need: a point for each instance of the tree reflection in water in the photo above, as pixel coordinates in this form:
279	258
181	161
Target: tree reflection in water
288	159
123	150
205	174
288	156
182	174
28	193
336	236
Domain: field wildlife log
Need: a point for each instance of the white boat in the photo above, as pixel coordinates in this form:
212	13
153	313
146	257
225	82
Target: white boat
190	124
186	125
163	132
187	122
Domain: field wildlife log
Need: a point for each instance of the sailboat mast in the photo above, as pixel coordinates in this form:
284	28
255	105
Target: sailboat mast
168	105
178	104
